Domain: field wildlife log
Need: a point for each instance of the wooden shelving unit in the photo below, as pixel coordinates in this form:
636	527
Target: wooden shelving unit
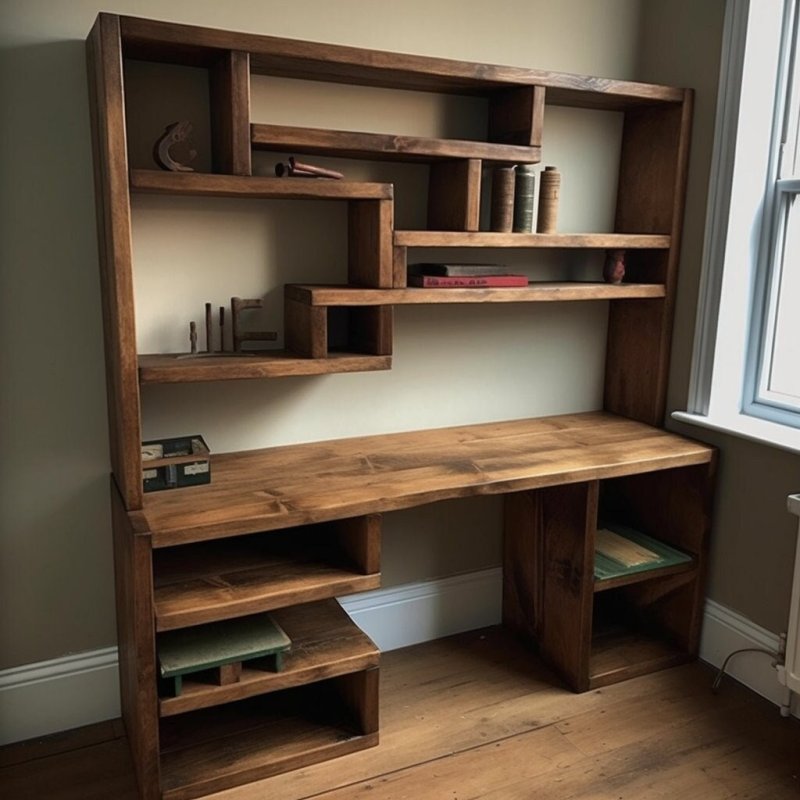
288	529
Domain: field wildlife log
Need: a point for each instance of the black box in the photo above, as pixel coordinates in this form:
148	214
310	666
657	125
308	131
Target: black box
171	463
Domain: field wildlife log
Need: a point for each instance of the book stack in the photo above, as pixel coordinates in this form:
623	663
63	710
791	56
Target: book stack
443	276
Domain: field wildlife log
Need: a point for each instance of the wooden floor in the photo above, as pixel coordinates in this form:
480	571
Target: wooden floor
476	716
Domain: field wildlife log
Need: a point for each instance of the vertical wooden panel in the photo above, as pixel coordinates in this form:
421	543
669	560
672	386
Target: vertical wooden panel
305	329
650	199
360	539
370	256
229	84
370	330
136	639
454	195
516	116
112	200
548	564
400	267
359	691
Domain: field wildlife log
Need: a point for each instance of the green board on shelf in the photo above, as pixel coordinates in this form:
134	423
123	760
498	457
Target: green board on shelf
203	647
646	553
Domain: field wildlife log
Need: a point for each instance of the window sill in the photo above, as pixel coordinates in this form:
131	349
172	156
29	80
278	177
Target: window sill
755	430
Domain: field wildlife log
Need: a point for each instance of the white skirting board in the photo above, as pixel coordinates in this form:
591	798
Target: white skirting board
51	696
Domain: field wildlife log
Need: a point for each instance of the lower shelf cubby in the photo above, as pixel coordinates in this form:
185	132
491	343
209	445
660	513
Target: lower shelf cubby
206	751
209	581
325	643
629	637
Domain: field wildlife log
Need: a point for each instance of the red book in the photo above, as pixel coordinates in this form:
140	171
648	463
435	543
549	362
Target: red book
449	282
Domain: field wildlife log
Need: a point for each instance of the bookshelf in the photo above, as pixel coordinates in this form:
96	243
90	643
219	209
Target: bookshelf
285	530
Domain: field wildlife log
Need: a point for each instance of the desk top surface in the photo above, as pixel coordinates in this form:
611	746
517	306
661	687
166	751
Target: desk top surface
281	487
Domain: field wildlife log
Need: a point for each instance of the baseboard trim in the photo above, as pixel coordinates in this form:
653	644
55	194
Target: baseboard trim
59	694
81	689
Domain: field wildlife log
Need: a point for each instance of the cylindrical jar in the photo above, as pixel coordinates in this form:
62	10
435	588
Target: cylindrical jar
523	198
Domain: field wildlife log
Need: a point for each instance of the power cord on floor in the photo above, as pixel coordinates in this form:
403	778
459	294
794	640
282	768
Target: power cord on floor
721	670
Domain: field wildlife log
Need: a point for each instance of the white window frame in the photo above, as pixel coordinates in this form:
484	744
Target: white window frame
739	233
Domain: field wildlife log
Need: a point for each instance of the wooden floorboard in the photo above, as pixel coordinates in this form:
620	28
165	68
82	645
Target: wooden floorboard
477	716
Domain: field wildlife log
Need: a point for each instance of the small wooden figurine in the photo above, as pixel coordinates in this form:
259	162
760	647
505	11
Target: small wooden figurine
175	134
238	305
614	267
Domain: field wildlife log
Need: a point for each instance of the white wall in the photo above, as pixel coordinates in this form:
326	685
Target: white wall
452	365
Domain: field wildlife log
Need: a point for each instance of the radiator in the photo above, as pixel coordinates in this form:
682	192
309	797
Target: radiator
789	675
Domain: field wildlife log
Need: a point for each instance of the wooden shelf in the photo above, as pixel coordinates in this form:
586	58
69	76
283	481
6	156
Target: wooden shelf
269	55
221	579
295	485
325	643
597	241
533	293
610	574
176	368
196	183
210	750
376	146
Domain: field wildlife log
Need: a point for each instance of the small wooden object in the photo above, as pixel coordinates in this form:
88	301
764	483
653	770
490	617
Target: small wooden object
297	169
175	134
239	304
209	329
221	647
222	329
523	198
193	337
614	267
549	192
502	199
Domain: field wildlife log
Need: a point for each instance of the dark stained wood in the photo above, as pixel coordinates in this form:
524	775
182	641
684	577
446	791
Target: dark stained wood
675	507
187	44
217	580
399	266
210	750
454	195
229	85
305	329
134	591
523	551
653	168
195	183
369	242
171	368
360	539
359	691
533	293
516	116
294	485
568	518
107	107
385	147
325	644
638	577
597	241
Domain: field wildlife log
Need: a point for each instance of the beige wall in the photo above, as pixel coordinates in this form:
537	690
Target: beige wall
56	585
754	536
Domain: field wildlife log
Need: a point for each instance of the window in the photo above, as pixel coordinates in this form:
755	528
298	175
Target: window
746	368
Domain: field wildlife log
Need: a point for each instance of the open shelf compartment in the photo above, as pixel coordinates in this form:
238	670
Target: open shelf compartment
209	581
210	750
325	643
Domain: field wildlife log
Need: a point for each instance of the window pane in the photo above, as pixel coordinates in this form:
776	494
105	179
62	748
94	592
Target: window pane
784	371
